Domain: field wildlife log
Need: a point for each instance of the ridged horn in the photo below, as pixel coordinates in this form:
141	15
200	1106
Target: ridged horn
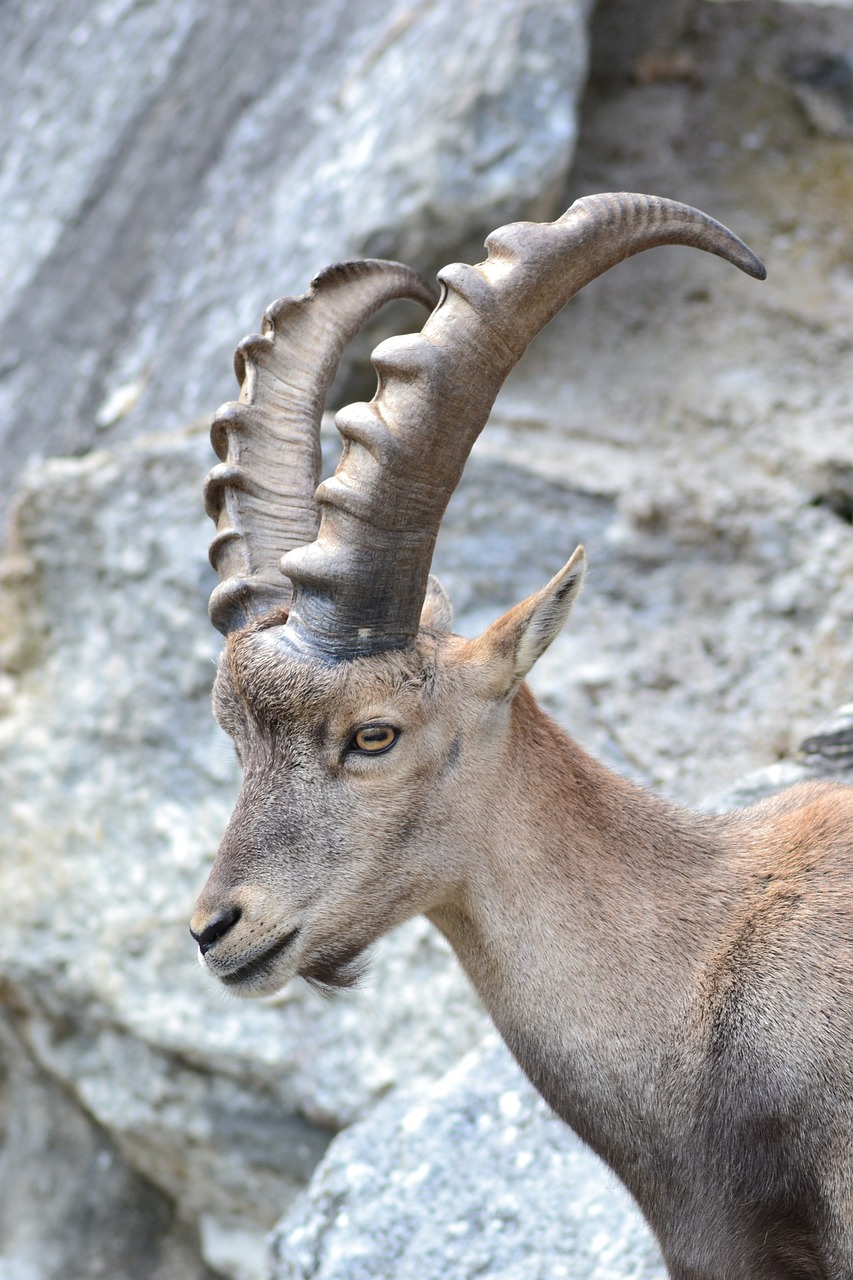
261	495
359	587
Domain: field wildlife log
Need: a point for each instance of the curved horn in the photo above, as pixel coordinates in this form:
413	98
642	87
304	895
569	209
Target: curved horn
261	496
360	586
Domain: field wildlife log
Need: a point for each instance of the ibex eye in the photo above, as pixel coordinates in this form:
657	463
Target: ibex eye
374	738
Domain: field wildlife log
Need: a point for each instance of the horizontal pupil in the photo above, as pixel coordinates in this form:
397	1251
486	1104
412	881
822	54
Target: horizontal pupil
380	737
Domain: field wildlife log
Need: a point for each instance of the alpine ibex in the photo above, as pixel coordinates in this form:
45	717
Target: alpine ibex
677	986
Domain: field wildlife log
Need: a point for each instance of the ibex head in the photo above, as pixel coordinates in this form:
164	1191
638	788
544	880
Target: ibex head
377	747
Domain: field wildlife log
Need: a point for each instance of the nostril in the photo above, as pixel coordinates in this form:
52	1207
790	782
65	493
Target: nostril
218	926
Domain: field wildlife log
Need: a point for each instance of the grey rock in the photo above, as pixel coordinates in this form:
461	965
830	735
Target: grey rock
826	755
115	786
472	1176
169	169
818	4
70	1206
823	83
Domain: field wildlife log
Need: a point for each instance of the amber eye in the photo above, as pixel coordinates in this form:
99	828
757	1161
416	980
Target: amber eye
374	738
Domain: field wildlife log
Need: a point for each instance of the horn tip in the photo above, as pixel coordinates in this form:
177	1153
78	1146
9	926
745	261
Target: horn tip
758	271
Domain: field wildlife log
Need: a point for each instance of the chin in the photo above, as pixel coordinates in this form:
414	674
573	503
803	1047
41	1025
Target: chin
258	987
336	968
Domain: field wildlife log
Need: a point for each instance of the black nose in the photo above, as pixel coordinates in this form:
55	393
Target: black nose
218	926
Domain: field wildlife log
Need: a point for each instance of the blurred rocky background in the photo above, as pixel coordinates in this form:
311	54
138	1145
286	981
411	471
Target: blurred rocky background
167	169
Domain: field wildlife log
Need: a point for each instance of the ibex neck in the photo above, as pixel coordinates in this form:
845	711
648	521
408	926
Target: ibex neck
584	925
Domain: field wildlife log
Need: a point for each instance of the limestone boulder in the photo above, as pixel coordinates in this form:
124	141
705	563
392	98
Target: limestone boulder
115	786
471	1176
70	1204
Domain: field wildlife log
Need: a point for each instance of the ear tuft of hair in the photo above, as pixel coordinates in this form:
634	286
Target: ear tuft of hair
544	614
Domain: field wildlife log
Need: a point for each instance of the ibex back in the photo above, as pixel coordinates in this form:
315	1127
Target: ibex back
677	986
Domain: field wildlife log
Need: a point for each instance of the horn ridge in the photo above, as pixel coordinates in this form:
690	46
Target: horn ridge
261	495
359	587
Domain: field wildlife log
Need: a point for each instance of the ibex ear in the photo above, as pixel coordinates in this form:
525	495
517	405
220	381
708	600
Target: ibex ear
437	612
514	642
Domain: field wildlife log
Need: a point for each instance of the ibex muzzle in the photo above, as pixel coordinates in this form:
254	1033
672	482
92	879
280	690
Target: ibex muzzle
677	986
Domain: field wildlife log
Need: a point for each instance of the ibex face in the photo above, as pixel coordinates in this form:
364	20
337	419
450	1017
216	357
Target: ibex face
366	786
325	848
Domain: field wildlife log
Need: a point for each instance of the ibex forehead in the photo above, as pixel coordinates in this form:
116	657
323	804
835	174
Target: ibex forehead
278	685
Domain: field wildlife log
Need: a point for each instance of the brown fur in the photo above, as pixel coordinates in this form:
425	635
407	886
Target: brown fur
677	986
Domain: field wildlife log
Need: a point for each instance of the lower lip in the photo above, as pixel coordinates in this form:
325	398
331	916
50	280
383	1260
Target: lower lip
261	965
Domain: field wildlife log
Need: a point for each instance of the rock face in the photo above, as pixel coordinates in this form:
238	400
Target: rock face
179	166
116	785
166	171
70	1204
472	1176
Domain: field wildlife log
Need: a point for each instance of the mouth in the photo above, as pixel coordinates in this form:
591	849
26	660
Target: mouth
260	966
